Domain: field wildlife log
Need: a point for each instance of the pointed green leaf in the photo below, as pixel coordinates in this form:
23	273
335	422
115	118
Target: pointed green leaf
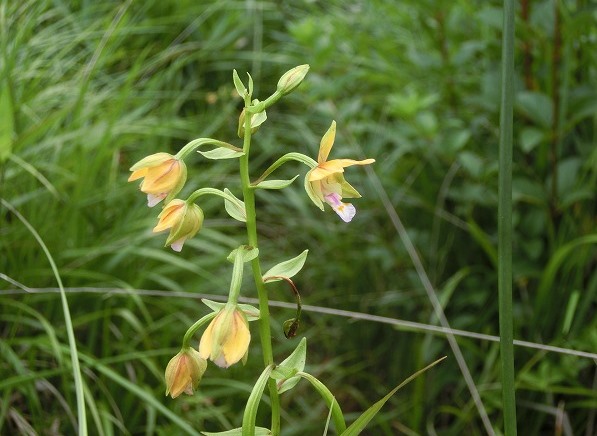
238	84
6	122
246	251
275	184
250	414
283	373
259	431
288	268
236	208
296	363
359	425
220	153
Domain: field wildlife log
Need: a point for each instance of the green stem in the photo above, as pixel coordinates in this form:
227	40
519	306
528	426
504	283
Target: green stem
237	278
196	143
209	191
299	157
505	222
193	329
264	324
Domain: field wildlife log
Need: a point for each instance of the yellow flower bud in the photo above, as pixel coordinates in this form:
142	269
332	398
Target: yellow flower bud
226	339
184	372
292	78
184	221
164	175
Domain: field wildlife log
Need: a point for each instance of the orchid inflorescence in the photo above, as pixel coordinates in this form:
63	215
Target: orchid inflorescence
225	341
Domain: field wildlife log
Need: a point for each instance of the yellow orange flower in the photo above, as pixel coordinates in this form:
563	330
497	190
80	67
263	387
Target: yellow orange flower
226	339
164	175
184	372
326	183
184	221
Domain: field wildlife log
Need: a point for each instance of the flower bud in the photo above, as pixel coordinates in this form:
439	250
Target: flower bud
164	175
292	78
290	327
184	372
184	221
256	120
226	339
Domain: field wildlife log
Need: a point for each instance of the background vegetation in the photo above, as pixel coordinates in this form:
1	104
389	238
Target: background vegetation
87	88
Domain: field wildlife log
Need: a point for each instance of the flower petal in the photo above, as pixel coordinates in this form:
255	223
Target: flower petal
153	199
346	211
151	161
327	141
162	178
137	174
335	166
177	245
312	189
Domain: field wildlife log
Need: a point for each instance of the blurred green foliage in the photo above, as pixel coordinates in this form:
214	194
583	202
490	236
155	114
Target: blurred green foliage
87	88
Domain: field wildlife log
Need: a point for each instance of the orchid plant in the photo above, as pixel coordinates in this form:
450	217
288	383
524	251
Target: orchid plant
227	337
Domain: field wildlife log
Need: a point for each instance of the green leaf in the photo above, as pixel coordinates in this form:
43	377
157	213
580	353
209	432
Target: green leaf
536	106
250	414
238	84
275	184
359	425
530	138
246	251
283	372
6	123
259	431
296	363
221	153
288	268
236	208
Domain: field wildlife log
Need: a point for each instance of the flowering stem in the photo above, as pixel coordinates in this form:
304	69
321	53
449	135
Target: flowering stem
264	324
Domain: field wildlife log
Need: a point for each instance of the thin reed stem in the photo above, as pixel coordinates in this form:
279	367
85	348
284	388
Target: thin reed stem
505	223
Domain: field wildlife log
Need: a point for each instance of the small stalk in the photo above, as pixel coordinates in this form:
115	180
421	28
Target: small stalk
505	222
264	323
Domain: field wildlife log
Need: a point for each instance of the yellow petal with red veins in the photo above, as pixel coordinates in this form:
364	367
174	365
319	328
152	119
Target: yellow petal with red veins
137	174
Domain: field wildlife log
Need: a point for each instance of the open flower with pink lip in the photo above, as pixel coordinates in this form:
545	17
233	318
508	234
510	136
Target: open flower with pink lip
183	219
164	175
326	183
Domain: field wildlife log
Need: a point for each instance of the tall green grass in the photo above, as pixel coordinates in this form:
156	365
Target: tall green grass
96	85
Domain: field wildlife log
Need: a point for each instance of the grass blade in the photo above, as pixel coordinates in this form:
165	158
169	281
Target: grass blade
505	222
